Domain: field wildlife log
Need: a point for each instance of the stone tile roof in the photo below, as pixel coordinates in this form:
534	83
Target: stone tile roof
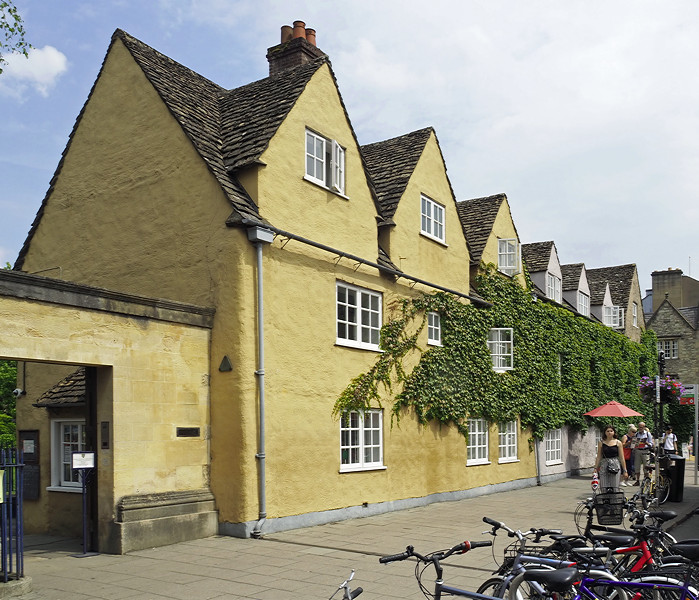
691	315
570	275
70	391
391	164
537	255
477	218
619	278
251	114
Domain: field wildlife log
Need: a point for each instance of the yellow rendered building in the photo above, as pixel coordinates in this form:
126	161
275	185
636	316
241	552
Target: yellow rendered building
259	203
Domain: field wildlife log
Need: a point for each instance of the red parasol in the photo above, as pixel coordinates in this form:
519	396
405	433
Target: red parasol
613	409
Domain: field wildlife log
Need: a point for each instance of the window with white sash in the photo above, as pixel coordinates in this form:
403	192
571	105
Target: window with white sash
325	162
507	441
477	445
501	348
434	329
669	347
509	256
361	440
583	304
66	437
431	219
613	316
553	287
553	444
358	316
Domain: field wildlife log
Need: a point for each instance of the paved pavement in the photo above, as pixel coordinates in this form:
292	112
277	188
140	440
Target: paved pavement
310	563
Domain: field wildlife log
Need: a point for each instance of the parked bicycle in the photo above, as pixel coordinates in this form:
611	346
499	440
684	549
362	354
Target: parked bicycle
435	559
568	582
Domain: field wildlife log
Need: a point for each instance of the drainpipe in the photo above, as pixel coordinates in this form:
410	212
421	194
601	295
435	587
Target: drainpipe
260	236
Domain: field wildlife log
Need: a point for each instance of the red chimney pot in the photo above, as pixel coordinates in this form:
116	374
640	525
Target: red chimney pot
287	33
299	29
311	36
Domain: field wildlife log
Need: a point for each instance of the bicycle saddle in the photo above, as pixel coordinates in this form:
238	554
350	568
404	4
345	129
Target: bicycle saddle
614	541
663	515
687	549
557	580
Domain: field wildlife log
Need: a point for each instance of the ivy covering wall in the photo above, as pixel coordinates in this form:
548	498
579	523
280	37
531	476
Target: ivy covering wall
564	364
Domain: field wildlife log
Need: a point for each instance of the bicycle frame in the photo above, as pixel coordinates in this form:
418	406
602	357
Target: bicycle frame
584	592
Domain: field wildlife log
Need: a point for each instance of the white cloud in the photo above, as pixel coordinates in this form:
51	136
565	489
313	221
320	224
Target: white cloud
40	71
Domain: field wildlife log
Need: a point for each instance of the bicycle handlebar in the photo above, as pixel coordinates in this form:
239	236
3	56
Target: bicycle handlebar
459	548
356	592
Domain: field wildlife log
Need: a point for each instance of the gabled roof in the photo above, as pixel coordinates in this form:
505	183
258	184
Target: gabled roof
619	278
477	218
230	129
571	276
688	316
537	255
70	391
391	164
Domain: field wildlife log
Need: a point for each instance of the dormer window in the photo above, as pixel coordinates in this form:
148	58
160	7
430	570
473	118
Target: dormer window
325	162
509	256
431	219
583	304
553	287
613	317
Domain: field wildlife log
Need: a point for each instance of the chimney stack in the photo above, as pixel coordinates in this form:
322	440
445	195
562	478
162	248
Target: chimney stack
297	47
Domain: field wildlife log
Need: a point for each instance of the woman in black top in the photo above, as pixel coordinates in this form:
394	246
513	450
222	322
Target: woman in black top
610	463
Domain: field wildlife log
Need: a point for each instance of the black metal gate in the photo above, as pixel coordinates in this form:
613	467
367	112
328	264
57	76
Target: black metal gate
11	527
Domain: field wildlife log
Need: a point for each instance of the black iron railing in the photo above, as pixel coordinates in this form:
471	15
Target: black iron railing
11	525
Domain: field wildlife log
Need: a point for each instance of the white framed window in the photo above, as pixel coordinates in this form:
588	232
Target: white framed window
669	347
431	219
358	316
361	440
325	162
553	287
553	447
477	446
507	442
634	311
434	329
67	436
613	316
501	348
509	256
583	304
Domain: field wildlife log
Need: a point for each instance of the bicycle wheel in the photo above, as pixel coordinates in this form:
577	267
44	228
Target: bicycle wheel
663	488
495	586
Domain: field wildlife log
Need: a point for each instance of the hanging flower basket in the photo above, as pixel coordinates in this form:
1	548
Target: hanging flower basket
670	390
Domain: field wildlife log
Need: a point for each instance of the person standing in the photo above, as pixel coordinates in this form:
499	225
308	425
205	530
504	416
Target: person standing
644	442
669	441
610	463
628	441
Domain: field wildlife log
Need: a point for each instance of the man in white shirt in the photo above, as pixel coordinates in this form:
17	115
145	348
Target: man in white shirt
644	442
669	441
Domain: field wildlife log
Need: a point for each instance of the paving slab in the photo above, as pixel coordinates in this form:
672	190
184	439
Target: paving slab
310	563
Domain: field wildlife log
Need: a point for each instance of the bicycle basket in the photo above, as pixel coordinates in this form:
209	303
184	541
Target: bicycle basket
609	507
515	549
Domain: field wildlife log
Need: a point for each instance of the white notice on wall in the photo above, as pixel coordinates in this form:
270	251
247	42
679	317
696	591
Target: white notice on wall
83	460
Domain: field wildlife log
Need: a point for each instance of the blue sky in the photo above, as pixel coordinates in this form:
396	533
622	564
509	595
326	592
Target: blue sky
585	113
